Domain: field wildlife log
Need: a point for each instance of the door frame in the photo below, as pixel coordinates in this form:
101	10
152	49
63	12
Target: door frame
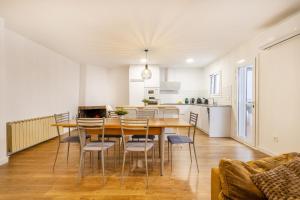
254	140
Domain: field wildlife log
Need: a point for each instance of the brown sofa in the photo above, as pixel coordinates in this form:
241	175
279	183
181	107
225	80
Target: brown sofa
258	165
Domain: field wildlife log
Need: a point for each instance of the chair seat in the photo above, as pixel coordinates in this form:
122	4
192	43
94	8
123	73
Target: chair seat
151	137
138	146
97	146
178	139
72	139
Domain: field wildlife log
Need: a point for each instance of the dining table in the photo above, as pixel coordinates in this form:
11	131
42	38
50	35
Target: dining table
157	127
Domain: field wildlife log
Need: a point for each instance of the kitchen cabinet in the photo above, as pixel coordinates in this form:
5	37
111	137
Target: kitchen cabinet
136	93
138	86
154	81
212	120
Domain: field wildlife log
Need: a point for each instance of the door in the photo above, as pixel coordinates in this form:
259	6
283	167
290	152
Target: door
246	106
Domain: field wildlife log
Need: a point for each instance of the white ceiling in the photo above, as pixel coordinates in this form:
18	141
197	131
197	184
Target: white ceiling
113	33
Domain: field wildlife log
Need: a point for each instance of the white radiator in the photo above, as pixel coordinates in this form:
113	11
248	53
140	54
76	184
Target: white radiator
26	133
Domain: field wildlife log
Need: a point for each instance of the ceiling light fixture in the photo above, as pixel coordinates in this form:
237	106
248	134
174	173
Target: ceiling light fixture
241	61
189	60
146	73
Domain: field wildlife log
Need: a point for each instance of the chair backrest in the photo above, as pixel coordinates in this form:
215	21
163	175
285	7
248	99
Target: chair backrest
60	118
154	109
112	114
170	112
193	121
145	114
131	112
133	127
90	125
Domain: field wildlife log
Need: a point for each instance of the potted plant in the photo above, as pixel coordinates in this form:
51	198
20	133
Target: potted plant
121	112
146	101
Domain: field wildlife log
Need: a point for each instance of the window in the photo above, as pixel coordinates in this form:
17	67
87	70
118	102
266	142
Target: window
215	83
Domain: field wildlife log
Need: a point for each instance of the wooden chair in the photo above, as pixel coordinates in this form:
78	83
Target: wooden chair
179	139
136	125
92	125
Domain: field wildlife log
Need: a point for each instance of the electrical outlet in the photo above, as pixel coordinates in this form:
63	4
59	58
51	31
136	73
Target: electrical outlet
275	138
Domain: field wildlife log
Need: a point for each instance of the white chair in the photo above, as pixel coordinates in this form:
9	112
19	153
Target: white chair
140	126
92	125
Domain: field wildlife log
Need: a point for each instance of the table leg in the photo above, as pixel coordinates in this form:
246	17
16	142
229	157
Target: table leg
162	152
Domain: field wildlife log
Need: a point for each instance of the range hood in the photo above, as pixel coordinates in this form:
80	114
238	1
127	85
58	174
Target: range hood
165	84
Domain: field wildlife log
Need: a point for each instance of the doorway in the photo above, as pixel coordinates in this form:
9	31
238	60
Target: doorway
246	107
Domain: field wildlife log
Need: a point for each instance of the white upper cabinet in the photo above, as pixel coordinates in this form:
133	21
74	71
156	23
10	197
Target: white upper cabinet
135	72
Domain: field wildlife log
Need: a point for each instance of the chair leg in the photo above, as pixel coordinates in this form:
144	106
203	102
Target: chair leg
57	151
68	152
168	151
120	144
190	152
146	163
171	157
115	162
196	157
102	162
81	168
123	166
153	153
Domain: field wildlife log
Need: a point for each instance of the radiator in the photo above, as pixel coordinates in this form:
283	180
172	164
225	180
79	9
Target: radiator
27	133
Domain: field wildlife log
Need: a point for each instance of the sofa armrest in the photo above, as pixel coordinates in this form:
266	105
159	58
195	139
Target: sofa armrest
215	183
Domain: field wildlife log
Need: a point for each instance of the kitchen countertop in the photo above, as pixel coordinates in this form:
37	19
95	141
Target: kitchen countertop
204	105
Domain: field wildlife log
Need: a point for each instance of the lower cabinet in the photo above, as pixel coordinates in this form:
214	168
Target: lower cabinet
213	120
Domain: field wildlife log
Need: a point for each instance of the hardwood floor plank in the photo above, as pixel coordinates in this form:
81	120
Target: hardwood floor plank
29	174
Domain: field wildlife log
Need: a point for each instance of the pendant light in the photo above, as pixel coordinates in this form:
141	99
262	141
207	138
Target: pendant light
146	73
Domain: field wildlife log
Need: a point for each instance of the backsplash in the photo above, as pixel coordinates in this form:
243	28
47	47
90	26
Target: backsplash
225	98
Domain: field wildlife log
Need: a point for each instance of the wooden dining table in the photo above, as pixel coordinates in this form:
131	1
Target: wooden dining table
156	127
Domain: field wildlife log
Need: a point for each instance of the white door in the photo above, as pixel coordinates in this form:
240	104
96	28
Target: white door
246	106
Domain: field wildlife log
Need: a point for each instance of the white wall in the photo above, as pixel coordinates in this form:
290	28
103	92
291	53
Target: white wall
279	97
101	86
41	82
228	67
192	84
34	82
3	157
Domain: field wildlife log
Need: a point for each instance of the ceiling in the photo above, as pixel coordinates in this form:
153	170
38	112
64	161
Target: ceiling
112	33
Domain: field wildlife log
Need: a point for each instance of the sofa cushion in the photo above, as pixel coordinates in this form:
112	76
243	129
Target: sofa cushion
235	176
236	182
282	182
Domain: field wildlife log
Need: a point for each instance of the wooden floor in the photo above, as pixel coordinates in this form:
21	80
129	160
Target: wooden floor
29	174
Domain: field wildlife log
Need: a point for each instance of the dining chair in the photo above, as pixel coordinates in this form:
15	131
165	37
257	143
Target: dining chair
96	126
62	137
140	126
180	139
170	112
112	114
144	114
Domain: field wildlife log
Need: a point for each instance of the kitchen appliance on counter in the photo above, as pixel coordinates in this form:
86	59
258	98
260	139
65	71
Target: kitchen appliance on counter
186	101
199	100
192	100
204	101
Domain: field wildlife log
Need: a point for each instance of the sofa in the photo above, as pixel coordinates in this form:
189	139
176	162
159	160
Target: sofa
238	174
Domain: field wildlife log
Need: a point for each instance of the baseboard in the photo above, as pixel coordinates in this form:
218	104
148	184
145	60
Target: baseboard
4	160
265	151
269	153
